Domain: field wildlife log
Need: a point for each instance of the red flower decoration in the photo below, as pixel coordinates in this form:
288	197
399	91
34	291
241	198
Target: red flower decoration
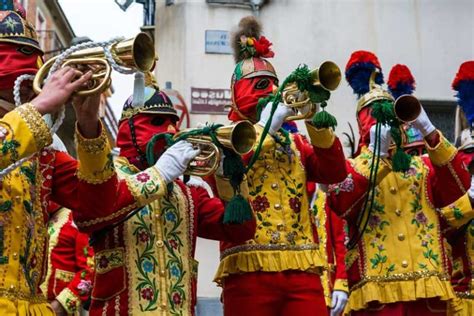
143	177
143	236
147	294
173	243
176	298
262	47
295	205
260	203
103	262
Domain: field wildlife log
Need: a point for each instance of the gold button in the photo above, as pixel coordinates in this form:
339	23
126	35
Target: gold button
12	286
15	255
17	229
18	198
281	227
159	243
163	306
157	216
401	237
398	212
277	206
162	272
274	186
404	263
393	190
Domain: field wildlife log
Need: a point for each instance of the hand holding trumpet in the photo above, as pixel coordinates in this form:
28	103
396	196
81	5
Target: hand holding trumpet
59	89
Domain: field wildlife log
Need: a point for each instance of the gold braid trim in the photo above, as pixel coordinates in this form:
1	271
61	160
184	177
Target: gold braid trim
410	276
110	217
14	295
93	146
38	127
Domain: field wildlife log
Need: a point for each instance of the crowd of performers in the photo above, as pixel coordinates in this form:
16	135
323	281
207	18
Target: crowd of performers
305	231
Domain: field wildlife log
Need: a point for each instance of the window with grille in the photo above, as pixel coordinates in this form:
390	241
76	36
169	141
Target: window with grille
443	115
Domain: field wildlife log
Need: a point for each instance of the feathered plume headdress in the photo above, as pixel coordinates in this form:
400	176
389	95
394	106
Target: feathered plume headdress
463	84
358	70
248	42
400	81
250	49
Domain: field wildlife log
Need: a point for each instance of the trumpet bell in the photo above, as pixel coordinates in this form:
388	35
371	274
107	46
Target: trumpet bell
328	76
407	108
240	138
137	53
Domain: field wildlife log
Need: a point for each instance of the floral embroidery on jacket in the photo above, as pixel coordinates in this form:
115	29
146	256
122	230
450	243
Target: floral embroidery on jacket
146	260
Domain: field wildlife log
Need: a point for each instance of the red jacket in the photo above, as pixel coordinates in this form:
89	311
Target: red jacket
70	271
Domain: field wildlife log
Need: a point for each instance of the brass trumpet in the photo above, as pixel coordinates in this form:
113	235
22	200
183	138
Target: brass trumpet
240	138
327	76
407	108
134	53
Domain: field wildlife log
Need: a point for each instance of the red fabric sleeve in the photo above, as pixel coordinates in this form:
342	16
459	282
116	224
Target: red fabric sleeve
81	285
323	165
88	201
210	213
338	237
447	183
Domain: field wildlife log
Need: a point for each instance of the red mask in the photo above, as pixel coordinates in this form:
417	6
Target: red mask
247	92
145	127
365	122
16	60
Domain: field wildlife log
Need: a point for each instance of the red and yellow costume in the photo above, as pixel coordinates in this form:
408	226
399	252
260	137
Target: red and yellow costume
145	264
70	263
399	264
462	239
89	188
332	238
277	271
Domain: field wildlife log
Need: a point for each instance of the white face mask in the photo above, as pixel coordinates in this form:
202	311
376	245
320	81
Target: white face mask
7	106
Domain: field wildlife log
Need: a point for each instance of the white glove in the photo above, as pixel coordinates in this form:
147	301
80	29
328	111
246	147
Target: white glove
471	189
423	124
338	302
385	140
174	161
281	113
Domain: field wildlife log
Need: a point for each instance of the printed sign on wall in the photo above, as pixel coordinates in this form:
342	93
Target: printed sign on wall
210	101
218	42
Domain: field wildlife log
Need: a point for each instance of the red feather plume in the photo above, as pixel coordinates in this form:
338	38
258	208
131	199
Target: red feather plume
400	74
465	72
362	56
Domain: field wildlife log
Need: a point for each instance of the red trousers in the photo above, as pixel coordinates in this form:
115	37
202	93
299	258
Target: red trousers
421	307
289	293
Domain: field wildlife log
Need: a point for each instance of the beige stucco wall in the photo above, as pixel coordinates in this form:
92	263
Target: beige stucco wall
431	36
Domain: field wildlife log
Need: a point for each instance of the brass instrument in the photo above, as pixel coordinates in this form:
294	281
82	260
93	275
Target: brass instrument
327	76
240	138
134	53
407	108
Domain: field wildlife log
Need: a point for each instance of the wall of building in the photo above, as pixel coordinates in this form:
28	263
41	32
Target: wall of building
431	36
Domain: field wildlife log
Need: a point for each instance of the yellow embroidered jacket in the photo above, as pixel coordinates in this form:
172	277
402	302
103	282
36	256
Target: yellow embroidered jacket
24	196
286	238
401	255
462	244
145	264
